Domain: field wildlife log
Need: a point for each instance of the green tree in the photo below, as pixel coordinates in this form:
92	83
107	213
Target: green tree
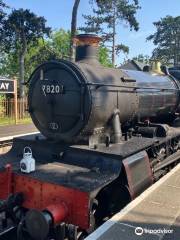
167	40
104	58
2	4
2	7
54	47
107	16
60	42
20	29
9	64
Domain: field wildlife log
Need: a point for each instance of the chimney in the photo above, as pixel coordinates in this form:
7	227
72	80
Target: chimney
87	47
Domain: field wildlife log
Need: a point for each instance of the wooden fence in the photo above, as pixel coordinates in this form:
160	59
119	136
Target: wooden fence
7	112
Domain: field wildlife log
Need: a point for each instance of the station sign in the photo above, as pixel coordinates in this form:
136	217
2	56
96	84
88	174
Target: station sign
10	86
7	85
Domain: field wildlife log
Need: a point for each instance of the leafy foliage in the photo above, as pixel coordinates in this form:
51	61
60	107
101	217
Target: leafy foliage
104	56
60	42
107	16
21	28
9	65
2	15
18	30
2	7
54	47
167	40
26	42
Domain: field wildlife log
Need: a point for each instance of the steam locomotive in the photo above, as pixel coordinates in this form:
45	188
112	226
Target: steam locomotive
107	135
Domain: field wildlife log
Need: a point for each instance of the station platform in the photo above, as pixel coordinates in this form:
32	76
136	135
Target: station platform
8	132
154	215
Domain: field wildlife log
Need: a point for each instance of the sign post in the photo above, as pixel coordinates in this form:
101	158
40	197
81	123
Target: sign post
10	86
15	101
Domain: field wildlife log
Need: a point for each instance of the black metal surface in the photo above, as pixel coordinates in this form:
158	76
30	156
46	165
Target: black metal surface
96	171
81	108
9	234
38	224
90	95
59	114
154	103
65	165
76	166
175	72
72	101
12	202
87	53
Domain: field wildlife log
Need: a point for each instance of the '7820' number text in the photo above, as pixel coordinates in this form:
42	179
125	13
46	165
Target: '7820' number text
52	89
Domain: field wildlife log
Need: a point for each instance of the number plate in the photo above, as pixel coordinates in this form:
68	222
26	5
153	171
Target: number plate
52	89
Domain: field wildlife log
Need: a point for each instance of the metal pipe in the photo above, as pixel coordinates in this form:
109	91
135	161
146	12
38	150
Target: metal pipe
130	87
117	127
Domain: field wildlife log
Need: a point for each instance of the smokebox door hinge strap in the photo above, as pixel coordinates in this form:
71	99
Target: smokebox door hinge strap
82	102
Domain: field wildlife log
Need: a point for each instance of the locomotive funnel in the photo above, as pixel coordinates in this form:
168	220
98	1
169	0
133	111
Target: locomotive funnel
87	47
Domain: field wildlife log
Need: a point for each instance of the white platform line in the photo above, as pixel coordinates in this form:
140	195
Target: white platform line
15	136
107	225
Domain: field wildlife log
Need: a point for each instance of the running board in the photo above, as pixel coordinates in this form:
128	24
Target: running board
9	233
169	160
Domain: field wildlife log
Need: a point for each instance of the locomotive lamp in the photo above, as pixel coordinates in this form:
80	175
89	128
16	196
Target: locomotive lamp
27	164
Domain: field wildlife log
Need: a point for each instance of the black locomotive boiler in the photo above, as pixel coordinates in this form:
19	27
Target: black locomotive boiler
107	135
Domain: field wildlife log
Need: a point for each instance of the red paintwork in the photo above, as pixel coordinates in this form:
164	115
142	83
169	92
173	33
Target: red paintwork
6	182
58	212
42	195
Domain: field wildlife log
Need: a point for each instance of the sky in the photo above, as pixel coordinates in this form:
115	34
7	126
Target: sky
58	15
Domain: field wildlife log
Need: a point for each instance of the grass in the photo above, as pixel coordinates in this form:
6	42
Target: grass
11	121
